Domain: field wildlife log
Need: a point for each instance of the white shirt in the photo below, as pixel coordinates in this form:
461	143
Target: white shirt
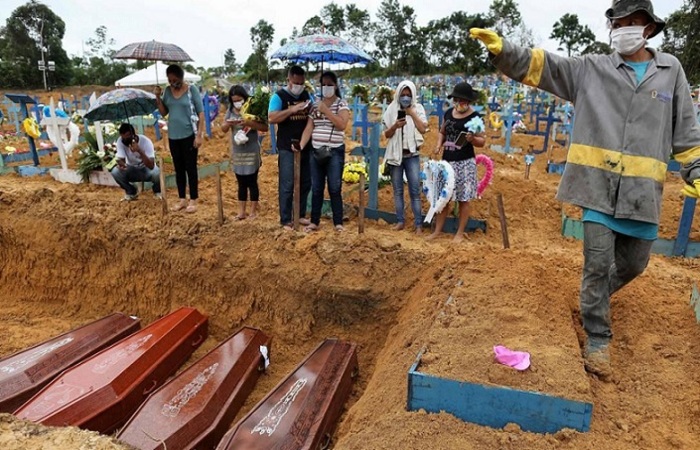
134	158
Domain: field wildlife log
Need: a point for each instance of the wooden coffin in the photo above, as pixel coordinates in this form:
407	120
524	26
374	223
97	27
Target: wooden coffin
102	392
27	371
195	409
302	411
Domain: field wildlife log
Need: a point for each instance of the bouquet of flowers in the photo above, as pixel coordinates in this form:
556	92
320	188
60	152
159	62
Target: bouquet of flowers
92	158
352	171
384	93
255	108
362	91
476	125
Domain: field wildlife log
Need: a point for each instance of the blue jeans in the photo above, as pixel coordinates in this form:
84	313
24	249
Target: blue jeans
124	178
285	162
333	171
411	166
611	260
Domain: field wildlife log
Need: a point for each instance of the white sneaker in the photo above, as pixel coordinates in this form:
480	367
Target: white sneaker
129	198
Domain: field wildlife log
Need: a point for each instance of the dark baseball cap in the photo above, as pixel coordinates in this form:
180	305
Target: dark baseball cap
624	8
464	90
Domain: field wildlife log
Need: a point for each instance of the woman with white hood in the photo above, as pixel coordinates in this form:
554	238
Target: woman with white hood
405	123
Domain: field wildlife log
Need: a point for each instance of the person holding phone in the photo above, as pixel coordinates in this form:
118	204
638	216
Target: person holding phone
458	143
135	162
245	151
289	111
405	123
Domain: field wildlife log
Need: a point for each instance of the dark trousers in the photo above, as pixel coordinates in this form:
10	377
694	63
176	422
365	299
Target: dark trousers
185	161
333	171
285	162
248	183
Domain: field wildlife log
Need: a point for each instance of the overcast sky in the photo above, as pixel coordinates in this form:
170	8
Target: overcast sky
206	28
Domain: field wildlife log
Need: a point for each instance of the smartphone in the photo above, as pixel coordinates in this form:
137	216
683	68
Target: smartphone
295	144
461	139
402	114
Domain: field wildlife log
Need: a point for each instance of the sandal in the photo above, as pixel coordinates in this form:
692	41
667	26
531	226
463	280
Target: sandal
288	227
240	217
339	228
304	221
191	208
179	206
310	228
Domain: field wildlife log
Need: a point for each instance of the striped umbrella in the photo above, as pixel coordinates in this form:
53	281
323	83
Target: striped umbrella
153	51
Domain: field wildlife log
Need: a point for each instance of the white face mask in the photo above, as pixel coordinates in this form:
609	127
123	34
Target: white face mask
328	91
627	40
238	105
296	89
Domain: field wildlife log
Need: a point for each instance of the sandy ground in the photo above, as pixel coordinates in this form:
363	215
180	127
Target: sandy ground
70	254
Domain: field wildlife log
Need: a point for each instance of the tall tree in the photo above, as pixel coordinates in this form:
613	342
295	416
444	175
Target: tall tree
449	45
571	34
506	17
359	26
97	67
312	26
598	48
28	28
230	65
101	45
261	35
333	17
682	38
398	39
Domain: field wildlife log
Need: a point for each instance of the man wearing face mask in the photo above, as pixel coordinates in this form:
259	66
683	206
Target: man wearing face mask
633	111
288	109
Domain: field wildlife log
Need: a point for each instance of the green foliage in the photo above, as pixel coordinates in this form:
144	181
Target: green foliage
451	48
598	48
682	38
25	30
256	66
384	94
572	35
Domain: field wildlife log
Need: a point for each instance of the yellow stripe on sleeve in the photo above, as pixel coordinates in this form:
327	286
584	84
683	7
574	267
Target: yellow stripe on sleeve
687	156
534	73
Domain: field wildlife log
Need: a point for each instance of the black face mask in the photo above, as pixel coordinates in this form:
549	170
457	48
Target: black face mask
128	141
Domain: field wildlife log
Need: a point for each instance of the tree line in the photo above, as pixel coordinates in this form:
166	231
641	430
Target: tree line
397	42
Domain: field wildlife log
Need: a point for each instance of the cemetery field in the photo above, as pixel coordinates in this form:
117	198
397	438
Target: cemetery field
72	253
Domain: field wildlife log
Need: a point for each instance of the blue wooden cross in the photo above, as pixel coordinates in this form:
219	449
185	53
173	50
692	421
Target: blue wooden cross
23	100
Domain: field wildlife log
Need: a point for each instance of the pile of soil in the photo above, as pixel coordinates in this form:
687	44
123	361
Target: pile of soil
72	253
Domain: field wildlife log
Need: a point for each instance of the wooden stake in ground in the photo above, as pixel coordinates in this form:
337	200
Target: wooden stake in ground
361	212
296	202
162	186
504	226
527	171
219	197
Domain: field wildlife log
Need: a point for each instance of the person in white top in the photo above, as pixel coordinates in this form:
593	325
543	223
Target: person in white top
135	162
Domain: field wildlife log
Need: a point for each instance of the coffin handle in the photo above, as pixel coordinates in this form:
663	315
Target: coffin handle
198	341
326	442
150	388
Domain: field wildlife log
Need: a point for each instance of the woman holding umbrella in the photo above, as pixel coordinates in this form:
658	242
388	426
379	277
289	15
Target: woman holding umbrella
182	104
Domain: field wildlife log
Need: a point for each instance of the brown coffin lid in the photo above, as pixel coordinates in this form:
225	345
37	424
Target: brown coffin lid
101	393
27	371
195	409
301	412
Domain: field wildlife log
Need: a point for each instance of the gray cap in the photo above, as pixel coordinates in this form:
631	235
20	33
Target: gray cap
624	8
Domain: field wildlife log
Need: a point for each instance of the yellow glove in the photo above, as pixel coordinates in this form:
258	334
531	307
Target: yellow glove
491	39
692	191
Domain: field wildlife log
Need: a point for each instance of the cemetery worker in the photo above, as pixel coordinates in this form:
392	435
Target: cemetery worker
405	123
245	151
289	110
182	103
135	162
456	141
633	110
325	128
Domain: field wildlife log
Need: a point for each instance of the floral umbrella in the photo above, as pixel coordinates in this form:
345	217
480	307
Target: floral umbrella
121	104
323	48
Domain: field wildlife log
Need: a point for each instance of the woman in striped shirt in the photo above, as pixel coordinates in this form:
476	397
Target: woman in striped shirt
325	129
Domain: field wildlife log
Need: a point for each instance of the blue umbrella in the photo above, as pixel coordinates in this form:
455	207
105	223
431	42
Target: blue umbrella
321	48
